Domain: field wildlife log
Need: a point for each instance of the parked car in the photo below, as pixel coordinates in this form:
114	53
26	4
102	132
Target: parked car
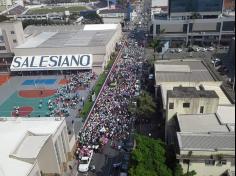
172	50
179	50
211	48
85	162
204	49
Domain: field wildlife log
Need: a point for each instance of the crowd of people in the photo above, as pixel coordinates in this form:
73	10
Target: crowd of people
110	119
67	97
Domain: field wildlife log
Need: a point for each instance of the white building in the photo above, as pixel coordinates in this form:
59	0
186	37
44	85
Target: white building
35	146
206	142
98	40
185	73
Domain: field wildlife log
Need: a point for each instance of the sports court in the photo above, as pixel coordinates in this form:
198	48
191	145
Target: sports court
28	95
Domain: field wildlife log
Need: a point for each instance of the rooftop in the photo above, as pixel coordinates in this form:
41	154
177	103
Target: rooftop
226	114
180	73
21	138
159	3
207	142
190	92
200	123
91	35
107	11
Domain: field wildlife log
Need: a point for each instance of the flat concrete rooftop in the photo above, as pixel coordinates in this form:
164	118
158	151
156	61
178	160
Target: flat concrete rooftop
69	39
190	92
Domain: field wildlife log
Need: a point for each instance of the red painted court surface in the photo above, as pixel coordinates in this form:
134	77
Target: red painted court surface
63	82
24	111
37	93
4	79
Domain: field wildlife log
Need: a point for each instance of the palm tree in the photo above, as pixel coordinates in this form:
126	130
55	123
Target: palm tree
156	44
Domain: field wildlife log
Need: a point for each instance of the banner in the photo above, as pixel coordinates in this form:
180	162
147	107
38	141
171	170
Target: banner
52	62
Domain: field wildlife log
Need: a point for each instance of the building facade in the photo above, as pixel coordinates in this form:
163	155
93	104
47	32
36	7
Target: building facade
35	147
11	35
193	22
187	100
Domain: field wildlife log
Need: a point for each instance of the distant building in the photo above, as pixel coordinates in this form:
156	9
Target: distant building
34	147
192	22
112	15
11	35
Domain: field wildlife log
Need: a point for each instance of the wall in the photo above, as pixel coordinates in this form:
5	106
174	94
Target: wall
35	170
203	170
210	106
18	35
47	158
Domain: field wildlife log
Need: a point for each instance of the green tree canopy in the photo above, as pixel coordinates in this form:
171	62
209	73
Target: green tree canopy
149	158
146	106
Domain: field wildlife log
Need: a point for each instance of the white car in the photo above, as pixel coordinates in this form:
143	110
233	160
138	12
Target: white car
85	163
204	49
198	49
211	49
179	50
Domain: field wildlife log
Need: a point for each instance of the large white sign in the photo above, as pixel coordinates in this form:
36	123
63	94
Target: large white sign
52	62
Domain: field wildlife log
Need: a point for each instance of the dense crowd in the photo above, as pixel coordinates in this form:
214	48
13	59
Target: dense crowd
67	96
110	119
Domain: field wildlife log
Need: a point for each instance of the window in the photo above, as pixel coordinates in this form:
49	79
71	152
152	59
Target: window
14	41
210	162
202	109
12	32
2	48
223	162
186	105
171	106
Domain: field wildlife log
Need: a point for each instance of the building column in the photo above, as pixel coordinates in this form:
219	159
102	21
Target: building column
221	28
154	29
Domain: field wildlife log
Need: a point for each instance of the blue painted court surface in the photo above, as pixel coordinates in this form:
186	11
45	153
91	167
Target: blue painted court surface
30	82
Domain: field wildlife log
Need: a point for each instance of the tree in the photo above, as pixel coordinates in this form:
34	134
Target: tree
179	172
195	15
145	108
149	158
155	44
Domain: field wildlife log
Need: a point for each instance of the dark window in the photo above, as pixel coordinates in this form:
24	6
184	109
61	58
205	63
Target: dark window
171	106
14	41
2	48
228	26
185	28
186	105
202	109
158	29
223	162
195	5
12	32
151	29
210	162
